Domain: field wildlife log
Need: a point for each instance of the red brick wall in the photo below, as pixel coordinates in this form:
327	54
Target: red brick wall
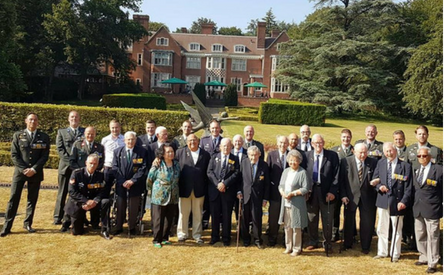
173	98
250	101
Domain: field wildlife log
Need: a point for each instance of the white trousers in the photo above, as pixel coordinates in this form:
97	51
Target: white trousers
427	240
383	233
186	206
293	236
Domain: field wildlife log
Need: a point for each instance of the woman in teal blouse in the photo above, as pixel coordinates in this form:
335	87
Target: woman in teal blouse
163	181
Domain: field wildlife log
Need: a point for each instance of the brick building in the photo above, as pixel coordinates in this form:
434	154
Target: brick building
200	58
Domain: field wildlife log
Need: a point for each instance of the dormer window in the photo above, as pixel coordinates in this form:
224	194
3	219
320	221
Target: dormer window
217	48
194	47
162	41
239	48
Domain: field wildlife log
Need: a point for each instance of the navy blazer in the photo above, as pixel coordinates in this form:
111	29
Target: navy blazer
401	190
258	189
230	179
429	197
193	177
134	170
329	170
206	143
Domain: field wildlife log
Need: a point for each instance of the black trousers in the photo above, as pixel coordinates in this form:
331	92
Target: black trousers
78	218
273	218
315	206
221	210
61	196
14	200
163	216
367	216
133	210
252	212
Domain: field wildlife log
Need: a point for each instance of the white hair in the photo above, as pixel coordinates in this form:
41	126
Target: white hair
130	133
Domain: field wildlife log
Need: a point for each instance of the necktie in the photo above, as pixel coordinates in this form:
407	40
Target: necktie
282	162
224	167
360	171
305	147
151	139
248	144
316	169
129	156
253	173
75	132
421	175
346	151
214	142
32	136
369	145
389	177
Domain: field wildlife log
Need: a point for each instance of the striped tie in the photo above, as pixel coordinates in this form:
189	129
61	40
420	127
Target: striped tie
360	171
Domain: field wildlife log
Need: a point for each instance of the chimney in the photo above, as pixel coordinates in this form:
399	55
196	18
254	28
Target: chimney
207	28
260	35
183	30
143	20
275	33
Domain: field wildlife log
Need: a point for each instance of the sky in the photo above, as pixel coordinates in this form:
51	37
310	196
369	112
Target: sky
225	13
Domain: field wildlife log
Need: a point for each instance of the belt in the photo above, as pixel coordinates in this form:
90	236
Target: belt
316	183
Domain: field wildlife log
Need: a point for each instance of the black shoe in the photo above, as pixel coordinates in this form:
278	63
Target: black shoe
105	235
431	270
64	228
272	244
260	246
246	244
29	229
420	263
226	243
96	227
117	232
57	222
213	241
133	232
365	251
4	233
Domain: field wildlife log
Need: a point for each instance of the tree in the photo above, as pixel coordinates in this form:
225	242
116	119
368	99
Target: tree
93	33
196	26
155	26
342	59
270	22
230	31
252	27
423	88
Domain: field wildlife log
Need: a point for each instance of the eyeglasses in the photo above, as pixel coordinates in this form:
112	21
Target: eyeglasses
422	156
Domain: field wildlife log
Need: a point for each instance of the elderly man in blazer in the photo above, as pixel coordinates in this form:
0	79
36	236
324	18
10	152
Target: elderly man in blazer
254	190
129	165
249	141
323	167
83	148
356	192
393	181
29	152
241	153
193	185
427	209
64	142
223	173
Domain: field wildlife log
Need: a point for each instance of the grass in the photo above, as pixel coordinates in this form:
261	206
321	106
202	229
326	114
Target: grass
50	252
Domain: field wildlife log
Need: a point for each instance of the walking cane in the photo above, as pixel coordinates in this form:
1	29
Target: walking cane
238	224
328	227
394	238
129	210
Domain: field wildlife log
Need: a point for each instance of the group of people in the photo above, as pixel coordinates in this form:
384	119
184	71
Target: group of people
301	181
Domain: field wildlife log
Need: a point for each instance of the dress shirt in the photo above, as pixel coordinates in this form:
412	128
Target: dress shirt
111	143
426	172
195	155
394	162
321	156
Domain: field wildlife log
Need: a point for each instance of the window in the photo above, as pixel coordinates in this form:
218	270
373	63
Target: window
274	63
238	65
138	82
162	41
239	48
162	58
215	63
194	47
156	78
139	59
217	48
238	82
193	62
192	80
277	86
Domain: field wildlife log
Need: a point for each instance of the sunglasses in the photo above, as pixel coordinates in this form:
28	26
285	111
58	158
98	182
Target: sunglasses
422	156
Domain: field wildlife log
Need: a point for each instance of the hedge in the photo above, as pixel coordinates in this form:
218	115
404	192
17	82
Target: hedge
230	95
52	117
286	112
144	101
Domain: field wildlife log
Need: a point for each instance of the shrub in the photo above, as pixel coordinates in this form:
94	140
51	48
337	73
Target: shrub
230	95
286	112
146	101
52	117
201	93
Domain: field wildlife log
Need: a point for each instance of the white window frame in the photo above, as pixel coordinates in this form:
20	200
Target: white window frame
156	78
162	58
238	65
162	41
217	48
193	62
239	48
140	59
279	87
238	82
194	47
219	61
192	80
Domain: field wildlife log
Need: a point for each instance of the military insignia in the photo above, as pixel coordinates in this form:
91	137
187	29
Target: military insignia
433	160
138	161
261	177
216	159
399	177
81	184
431	182
230	161
72	181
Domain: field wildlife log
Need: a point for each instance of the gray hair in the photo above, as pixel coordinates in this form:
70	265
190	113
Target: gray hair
130	133
388	144
159	129
253	149
238	136
429	151
361	144
93	156
279	137
295	154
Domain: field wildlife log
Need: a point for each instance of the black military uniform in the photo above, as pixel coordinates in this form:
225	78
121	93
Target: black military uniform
81	151
26	152
83	187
